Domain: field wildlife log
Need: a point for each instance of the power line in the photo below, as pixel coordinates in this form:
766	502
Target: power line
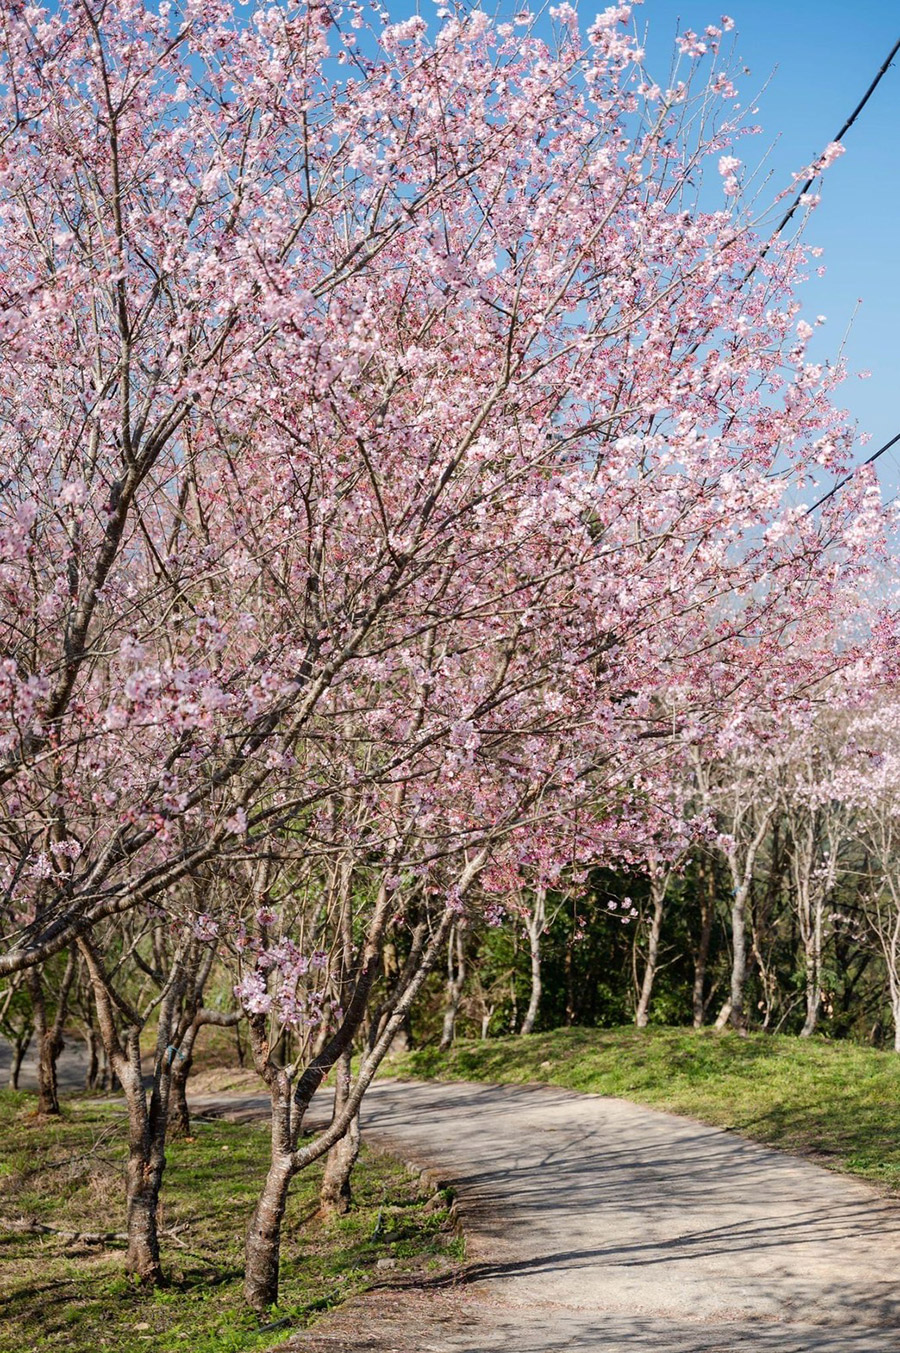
841	482
843	131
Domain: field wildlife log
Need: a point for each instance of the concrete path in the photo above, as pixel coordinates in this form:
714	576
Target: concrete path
593	1224
596	1226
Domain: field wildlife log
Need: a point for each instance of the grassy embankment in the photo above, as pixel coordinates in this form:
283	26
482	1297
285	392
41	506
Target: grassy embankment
67	1174
836	1103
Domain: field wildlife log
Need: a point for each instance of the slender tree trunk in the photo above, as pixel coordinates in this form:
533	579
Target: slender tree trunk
336	1194
739	960
658	897
289	1101
48	1100
535	927
19	1049
570	981
456	976
740	865
185	1038
814	939
890	945
56	1043
184	1030
146	1121
93	1062
49	1036
106	1079
179	1112
143	1176
813	948
893	974
146	1159
263	1242
513	988
816	837
706	881
263	1251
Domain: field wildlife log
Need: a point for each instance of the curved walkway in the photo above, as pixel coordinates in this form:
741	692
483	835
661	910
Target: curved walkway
597	1226
594	1224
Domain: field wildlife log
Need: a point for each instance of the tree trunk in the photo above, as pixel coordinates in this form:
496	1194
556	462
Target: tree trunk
93	1063
184	1037
658	896
740	865
20	1047
50	1036
570	981
813	944
146	1122
739	960
290	1100
263	1249
336	1194
106	1079
48	1096
706	880
456	976
263	1242
179	1112
535	927
813	950
891	951
144	1171
262	1245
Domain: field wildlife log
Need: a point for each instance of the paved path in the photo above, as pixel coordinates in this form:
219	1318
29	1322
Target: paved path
594	1224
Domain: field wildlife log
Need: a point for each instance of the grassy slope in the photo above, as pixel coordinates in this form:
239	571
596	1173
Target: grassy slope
68	1174
836	1103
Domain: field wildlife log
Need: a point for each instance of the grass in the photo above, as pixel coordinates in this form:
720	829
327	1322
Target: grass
835	1103
68	1174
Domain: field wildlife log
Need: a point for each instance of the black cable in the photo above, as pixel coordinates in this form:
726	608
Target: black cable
841	482
846	127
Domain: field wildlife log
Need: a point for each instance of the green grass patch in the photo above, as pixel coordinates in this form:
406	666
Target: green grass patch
68	1174
836	1103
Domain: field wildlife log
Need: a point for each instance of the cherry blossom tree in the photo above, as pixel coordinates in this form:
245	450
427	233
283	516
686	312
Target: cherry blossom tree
741	791
865	782
230	328
395	444
171	963
671	829
819	824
